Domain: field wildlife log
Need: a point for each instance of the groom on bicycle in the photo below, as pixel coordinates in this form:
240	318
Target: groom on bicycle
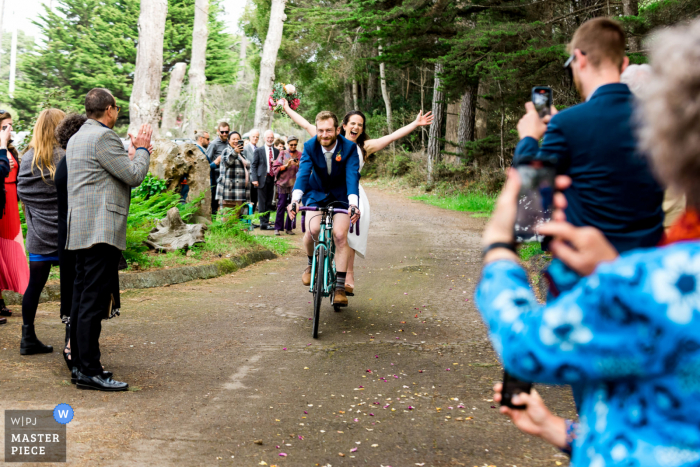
329	173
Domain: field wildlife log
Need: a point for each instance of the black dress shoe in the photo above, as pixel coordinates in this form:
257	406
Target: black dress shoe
99	383
267	227
74	375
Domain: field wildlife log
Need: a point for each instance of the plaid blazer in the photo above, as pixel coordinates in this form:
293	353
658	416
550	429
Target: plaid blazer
100	177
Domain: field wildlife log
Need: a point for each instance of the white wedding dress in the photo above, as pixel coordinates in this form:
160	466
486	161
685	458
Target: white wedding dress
359	242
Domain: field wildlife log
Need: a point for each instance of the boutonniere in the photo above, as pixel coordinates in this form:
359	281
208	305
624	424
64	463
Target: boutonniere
337	158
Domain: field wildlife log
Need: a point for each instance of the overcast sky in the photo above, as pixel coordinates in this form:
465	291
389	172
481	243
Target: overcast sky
27	10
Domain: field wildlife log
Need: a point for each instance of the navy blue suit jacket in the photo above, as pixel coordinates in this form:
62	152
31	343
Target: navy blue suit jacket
612	188
313	178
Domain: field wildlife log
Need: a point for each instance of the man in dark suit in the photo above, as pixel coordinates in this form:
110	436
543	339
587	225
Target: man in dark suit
329	172
612	186
214	151
262	178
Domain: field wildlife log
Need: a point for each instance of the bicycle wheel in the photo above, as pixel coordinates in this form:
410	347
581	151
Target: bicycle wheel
318	287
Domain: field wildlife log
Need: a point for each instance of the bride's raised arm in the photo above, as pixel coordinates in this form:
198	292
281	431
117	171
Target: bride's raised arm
374	145
298	119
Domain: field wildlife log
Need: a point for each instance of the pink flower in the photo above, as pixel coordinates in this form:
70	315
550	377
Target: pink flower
282	454
294	104
353	450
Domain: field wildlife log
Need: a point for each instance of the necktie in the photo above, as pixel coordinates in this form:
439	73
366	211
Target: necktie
329	158
270	164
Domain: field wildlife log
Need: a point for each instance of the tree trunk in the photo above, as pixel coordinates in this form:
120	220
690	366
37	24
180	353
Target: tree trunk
363	95
198	63
371	81
481	113
263	116
631	8
347	96
451	127
242	58
145	95
355	97
436	126
2	9
385	94
177	76
467	118
13	61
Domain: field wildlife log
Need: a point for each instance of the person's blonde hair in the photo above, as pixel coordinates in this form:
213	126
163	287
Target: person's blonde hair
670	109
44	141
327	115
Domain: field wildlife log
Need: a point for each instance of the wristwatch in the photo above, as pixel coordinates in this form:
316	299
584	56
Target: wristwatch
508	246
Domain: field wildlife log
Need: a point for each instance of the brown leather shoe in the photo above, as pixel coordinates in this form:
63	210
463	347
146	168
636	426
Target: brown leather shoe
306	276
340	299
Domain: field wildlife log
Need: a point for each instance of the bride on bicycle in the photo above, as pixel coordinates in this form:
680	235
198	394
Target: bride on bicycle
353	128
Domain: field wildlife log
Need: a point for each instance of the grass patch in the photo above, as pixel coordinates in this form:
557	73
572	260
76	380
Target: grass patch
477	202
528	250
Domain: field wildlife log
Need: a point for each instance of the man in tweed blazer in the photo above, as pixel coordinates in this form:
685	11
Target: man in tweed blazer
100	177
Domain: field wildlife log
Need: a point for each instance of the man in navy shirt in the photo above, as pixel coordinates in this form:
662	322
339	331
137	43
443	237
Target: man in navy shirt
594	143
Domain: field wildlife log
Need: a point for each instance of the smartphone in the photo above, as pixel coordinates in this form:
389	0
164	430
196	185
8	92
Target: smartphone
511	387
535	200
542	98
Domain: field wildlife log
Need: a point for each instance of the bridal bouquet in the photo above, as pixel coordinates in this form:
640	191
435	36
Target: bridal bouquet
283	91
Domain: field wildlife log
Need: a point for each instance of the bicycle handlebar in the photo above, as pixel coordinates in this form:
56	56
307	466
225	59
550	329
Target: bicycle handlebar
303	209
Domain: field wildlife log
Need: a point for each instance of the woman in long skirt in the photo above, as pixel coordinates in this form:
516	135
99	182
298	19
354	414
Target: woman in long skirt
14	271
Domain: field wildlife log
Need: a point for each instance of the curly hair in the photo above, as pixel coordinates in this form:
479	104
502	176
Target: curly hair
670	117
68	127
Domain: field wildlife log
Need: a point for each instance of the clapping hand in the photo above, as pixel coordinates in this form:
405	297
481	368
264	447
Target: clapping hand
141	140
424	120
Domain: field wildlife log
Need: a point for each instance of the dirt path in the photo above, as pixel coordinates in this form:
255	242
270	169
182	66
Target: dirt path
400	378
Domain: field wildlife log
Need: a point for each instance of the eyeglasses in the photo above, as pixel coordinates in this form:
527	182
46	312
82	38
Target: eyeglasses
569	61
117	107
3	111
222	132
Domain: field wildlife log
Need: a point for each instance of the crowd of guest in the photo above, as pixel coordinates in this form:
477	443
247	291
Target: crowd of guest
618	324
74	182
246	177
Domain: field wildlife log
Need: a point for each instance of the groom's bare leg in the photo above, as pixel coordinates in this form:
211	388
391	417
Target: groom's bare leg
341	224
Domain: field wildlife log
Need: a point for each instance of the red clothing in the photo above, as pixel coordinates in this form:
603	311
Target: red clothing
286	177
14	270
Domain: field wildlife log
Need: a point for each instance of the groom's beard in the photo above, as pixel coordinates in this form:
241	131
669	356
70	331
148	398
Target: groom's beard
330	144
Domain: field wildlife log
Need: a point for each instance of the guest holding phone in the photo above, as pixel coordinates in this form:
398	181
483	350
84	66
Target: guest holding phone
231	186
285	169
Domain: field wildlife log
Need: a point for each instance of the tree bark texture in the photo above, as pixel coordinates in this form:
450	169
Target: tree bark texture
385	94
451	127
371	82
144	103
196	76
242	58
631	8
347	96
263	116
177	76
2	9
482	107
467	118
436	126
355	99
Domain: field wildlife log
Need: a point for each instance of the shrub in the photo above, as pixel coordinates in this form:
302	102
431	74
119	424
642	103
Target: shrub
150	186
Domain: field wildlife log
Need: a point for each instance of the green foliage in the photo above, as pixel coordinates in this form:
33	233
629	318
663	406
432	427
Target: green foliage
528	250
475	201
150	186
143	216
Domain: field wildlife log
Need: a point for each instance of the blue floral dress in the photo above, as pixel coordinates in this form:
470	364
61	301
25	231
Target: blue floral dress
627	336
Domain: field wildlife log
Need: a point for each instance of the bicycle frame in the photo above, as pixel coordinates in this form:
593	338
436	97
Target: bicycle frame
325	240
